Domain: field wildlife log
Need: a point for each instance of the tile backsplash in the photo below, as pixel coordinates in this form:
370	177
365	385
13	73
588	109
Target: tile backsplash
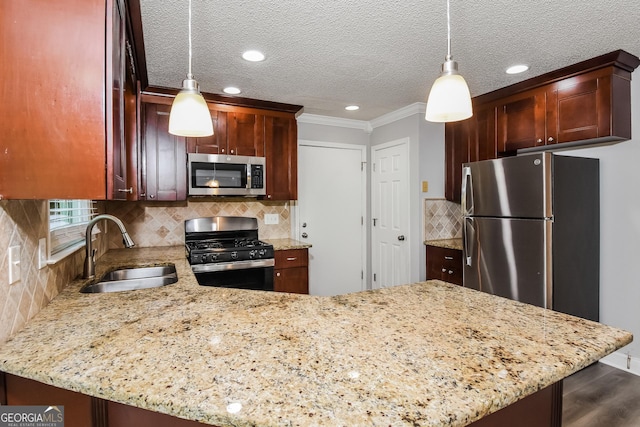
442	219
162	223
23	223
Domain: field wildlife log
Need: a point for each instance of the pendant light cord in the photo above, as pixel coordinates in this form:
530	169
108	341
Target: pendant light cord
448	32
189	75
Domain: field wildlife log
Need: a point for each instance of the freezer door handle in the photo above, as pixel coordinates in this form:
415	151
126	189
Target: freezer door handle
469	232
467	191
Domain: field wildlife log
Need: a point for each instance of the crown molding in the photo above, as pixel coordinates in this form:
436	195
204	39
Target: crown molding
335	121
409	110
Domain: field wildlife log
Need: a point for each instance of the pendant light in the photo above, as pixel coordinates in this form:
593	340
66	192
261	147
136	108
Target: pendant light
190	115
449	99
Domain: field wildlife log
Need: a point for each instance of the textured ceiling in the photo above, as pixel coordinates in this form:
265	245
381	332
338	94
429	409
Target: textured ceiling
380	54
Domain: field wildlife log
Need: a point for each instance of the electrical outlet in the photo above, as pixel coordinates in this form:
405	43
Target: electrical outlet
271	219
42	253
14	264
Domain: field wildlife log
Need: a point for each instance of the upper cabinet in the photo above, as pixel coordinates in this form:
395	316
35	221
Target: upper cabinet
163	156
281	143
63	99
586	103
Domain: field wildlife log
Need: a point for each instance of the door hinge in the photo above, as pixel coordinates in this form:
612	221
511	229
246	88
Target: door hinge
361	220
361	275
374	167
374	277
362	165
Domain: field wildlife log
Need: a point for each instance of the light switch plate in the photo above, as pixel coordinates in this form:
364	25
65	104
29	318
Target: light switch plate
42	253
14	264
271	219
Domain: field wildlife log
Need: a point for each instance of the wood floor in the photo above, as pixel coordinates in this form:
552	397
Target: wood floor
601	396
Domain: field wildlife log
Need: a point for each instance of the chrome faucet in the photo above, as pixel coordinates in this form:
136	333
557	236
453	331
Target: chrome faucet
90	260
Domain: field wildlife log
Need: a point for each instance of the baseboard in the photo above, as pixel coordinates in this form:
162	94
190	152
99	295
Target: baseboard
619	360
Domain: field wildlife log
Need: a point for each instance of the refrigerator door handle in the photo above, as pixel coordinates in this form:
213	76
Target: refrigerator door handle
467	191
469	237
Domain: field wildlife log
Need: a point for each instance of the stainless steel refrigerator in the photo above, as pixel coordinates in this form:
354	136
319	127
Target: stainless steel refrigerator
531	230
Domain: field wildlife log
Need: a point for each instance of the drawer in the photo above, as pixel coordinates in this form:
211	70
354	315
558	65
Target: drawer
292	258
444	264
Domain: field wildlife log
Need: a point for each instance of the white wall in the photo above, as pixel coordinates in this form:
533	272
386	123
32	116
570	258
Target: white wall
620	233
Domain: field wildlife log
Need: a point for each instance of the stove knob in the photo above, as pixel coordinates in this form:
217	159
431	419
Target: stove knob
262	252
252	254
234	255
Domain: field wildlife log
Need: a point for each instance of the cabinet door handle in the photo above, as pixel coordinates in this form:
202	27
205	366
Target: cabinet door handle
126	190
231	151
278	274
448	257
450	271
152	196
550	139
293	258
444	270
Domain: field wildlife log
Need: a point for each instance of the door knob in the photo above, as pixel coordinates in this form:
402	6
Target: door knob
304	235
401	238
304	225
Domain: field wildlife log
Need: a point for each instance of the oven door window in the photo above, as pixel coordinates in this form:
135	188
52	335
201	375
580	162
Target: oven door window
218	175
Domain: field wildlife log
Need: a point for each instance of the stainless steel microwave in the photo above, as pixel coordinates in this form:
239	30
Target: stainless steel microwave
222	175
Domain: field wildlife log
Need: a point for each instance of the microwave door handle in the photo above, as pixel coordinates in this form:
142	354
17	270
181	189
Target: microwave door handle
467	191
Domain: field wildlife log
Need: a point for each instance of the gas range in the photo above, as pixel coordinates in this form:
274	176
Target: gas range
217	251
225	251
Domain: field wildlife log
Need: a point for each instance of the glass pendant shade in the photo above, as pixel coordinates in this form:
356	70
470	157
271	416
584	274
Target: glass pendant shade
190	115
449	99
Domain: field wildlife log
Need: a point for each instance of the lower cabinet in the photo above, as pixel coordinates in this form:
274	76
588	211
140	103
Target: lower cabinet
81	410
291	272
444	264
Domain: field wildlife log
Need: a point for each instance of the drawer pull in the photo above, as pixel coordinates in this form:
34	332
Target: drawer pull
444	270
448	257
450	271
293	258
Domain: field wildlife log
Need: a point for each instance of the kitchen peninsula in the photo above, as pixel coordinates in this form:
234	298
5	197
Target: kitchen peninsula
429	354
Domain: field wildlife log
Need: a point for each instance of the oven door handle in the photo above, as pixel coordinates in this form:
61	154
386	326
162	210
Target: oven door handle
234	265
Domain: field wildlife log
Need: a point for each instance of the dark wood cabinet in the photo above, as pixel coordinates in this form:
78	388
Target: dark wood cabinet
65	120
521	122
582	104
234	133
216	143
245	135
81	410
78	408
281	144
444	264
163	165
291	272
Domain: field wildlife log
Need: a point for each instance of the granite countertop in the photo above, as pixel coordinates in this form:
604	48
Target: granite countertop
286	244
446	243
429	353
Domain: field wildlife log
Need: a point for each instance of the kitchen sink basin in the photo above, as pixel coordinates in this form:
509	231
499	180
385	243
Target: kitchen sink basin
128	279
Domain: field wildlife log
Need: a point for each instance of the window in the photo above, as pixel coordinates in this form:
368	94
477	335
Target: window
68	221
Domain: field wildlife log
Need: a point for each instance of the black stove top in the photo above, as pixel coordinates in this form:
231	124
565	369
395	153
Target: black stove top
210	240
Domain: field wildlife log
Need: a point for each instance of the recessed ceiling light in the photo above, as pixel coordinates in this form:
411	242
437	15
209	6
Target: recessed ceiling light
352	108
231	90
253	56
517	69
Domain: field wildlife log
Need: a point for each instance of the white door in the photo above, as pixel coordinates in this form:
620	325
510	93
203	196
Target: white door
331	201
390	214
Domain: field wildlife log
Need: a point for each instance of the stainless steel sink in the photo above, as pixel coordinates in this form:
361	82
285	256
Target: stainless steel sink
128	279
